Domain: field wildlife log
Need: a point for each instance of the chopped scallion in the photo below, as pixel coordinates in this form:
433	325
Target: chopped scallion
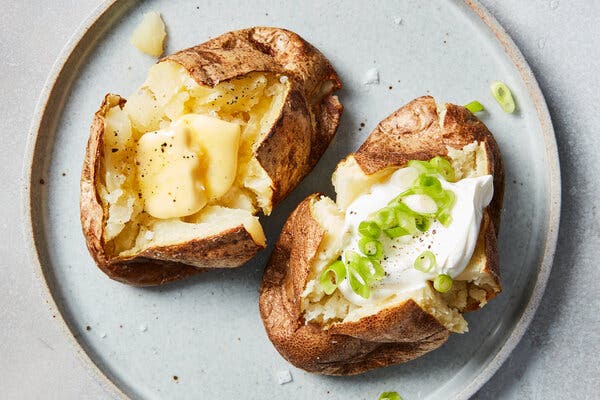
358	284
442	283
503	96
422	223
369	229
406	221
474	107
390	396
371	248
337	271
444	167
445	218
395	232
424	167
425	262
386	218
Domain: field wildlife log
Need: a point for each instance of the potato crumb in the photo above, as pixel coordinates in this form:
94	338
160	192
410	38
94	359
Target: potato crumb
149	36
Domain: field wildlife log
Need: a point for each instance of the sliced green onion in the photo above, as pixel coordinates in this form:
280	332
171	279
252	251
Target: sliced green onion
474	107
386	218
378	271
362	272
396	232
445	204
422	204
358	274
429	184
371	248
445	218
369	270
358	284
390	396
444	167
442	283
426	185
422	223
369	229
337	271
503	96
406	221
352	257
425	262
422	166
402	207
446	200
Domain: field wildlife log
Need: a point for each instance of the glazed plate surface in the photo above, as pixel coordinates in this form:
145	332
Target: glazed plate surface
203	337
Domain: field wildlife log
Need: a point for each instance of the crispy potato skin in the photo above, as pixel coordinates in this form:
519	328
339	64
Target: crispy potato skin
305	127
396	334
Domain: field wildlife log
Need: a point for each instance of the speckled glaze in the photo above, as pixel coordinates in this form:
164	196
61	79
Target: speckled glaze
206	331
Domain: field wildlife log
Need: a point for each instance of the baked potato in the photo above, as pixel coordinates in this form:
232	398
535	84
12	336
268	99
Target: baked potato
174	177
341	294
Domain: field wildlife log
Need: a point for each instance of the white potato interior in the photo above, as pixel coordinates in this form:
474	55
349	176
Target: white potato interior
350	182
253	101
149	35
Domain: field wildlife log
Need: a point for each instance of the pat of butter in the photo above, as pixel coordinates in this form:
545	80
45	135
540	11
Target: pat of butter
182	167
169	174
219	142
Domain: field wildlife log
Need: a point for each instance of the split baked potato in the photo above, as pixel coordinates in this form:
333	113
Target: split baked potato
308	315
174	176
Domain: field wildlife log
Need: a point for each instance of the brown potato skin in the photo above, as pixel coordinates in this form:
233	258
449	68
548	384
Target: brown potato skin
396	334
299	137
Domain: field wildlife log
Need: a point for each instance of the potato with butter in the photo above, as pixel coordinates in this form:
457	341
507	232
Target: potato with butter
174	176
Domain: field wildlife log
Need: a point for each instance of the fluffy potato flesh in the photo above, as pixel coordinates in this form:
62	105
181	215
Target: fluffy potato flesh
350	182
178	159
150	34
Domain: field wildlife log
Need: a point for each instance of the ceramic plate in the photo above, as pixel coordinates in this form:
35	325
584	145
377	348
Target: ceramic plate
203	338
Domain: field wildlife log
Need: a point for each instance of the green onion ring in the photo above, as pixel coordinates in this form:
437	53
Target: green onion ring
474	107
503	96
425	262
442	283
338	270
369	229
390	396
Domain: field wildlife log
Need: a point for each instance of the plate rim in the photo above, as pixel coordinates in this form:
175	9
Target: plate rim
551	234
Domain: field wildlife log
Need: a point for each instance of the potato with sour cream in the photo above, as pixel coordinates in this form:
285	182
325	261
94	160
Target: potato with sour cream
384	274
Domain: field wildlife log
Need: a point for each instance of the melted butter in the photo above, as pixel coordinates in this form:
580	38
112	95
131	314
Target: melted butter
182	167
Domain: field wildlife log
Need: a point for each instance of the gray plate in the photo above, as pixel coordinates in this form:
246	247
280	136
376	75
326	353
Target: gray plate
207	330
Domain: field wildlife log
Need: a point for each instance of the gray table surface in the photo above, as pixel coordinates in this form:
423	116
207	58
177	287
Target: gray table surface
558	356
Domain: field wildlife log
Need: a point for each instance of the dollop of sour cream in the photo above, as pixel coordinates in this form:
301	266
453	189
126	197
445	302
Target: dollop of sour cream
452	246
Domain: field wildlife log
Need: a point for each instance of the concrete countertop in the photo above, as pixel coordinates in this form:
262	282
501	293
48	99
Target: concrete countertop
558	356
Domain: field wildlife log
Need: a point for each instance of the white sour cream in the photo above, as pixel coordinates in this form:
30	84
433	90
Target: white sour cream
453	246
